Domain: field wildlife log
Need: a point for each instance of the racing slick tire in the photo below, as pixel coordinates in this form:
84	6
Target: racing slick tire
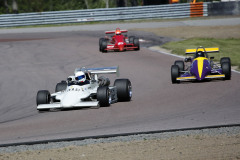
124	89
136	44
103	96
226	69
175	73
61	86
130	39
180	64
225	59
100	43
104	46
43	97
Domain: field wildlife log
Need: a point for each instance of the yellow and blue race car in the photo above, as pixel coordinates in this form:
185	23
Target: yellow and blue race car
202	67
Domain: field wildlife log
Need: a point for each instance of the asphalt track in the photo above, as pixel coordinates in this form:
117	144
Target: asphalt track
33	61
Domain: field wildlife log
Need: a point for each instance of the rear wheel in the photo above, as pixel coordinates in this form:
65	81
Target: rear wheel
124	89
103	96
175	73
226	69
61	86
43	97
180	64
130	39
136	44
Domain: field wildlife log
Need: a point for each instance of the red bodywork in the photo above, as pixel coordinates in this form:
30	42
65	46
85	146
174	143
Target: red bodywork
118	42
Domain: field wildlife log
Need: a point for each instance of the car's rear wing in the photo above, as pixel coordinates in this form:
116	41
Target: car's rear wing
112	32
207	50
102	70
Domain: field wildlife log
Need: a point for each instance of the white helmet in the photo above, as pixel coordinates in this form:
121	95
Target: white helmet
80	76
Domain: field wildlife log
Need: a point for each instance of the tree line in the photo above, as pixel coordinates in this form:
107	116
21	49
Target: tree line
25	6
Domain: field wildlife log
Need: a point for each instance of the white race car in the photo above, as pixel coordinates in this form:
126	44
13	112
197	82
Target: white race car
94	92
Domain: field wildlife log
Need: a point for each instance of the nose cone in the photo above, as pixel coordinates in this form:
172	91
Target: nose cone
69	100
121	47
200	68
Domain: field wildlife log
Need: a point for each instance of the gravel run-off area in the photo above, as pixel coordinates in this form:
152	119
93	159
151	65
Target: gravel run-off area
216	143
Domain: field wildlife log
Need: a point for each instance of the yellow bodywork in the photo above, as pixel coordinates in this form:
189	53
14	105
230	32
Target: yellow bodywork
186	78
216	76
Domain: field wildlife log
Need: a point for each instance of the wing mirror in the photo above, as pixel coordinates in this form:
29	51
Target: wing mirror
189	59
69	79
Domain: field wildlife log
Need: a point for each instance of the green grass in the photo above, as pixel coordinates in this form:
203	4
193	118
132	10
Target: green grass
228	47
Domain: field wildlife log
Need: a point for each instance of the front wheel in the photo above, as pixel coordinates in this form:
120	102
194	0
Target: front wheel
104	46
226	69
174	73
100	43
225	59
103	96
124	89
43	97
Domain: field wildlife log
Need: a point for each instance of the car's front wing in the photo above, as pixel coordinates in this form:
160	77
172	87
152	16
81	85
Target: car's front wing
111	47
207	77
58	105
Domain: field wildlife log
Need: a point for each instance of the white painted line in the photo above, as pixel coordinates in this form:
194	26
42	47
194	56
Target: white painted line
235	71
155	50
142	40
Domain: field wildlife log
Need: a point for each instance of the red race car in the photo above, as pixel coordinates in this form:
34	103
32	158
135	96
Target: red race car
118	42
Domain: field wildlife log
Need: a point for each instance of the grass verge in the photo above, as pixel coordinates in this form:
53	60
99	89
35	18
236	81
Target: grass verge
228	47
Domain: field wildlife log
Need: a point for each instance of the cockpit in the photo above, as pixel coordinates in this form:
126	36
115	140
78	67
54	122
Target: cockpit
200	54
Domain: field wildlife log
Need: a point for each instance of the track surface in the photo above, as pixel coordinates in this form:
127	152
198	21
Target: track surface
33	61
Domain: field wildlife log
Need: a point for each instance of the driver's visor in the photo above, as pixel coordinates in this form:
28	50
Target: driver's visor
80	77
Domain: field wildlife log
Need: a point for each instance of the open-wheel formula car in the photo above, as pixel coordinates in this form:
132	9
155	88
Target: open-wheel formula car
202	67
118	42
86	89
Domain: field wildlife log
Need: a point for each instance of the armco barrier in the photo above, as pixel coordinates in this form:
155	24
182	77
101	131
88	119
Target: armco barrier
123	13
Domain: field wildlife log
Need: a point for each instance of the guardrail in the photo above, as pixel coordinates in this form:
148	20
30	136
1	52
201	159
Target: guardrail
108	14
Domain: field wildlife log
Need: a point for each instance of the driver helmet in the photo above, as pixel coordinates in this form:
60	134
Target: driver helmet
80	76
200	54
118	31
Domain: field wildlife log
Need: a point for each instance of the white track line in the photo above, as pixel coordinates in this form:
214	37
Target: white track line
174	55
